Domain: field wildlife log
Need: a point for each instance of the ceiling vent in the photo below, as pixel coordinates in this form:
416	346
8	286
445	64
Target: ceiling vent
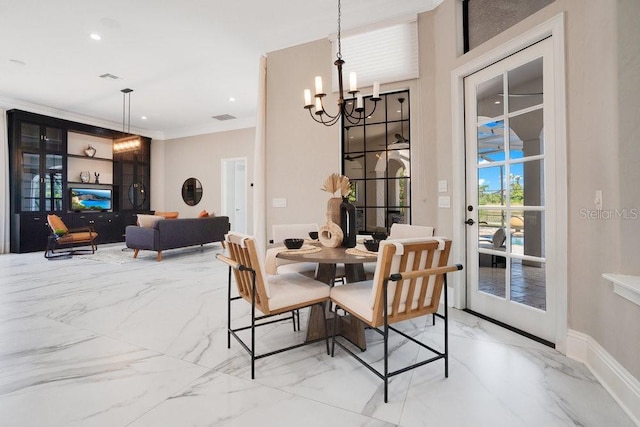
109	76
223	117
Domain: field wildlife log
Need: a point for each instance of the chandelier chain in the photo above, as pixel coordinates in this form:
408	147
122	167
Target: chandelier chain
339	54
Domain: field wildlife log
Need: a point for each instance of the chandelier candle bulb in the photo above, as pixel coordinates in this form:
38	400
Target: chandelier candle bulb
359	103
318	106
319	86
353	82
376	89
307	98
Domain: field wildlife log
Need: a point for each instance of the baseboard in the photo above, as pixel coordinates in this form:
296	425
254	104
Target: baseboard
623	387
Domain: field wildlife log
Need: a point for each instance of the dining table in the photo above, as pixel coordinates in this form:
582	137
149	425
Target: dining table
328	259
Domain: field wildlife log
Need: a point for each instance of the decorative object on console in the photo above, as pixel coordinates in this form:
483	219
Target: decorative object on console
352	111
90	151
97	175
85	176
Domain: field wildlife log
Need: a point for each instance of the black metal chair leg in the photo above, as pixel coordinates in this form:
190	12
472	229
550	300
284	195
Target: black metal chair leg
326	330
334	333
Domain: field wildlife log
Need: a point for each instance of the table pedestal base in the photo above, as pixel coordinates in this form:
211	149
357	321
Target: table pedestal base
349	327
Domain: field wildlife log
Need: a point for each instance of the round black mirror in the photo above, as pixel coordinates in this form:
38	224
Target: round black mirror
137	194
192	191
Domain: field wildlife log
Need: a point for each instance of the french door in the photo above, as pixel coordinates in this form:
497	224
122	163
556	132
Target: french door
511	191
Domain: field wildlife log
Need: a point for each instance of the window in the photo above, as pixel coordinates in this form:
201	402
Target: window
377	160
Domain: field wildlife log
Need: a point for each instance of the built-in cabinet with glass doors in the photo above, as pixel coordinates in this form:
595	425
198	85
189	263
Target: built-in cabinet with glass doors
47	163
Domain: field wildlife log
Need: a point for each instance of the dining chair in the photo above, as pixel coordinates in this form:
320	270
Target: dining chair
268	295
410	277
293	231
404	231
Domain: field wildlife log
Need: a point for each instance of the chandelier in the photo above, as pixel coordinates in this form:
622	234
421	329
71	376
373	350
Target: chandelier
352	109
127	142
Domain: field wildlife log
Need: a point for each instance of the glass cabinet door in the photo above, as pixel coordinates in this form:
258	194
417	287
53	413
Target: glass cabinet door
41	169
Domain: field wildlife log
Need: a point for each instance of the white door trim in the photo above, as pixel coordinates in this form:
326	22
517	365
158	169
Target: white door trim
553	27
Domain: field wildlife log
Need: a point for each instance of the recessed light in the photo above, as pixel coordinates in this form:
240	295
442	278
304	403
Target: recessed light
95	36
497	102
232	99
143	117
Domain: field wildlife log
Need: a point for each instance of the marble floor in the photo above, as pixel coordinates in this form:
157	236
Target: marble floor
106	340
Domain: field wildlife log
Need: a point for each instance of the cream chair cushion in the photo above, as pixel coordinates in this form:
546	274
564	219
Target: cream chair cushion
291	288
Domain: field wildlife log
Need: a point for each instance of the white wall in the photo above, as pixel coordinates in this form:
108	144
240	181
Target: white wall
175	160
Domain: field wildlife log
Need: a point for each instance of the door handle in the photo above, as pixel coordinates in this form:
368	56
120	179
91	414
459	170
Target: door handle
470	221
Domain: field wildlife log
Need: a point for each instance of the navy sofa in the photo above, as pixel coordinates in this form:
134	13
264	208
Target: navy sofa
176	233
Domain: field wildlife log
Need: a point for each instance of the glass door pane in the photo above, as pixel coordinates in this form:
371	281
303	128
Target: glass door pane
30	182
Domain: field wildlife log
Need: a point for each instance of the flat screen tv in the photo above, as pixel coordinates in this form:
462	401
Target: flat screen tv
90	199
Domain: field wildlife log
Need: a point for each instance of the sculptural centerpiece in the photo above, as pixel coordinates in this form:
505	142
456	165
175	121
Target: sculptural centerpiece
339	220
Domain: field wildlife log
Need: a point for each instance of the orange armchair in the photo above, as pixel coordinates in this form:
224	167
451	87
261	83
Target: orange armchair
62	240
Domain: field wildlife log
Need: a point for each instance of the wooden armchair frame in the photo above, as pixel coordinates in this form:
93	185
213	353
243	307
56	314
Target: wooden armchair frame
410	276
252	286
62	240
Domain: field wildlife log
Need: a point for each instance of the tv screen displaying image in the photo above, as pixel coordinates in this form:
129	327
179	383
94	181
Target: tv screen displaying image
90	199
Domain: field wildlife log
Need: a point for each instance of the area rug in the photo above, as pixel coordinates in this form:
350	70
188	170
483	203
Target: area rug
112	254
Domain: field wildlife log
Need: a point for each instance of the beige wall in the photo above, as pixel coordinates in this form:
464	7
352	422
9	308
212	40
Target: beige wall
175	160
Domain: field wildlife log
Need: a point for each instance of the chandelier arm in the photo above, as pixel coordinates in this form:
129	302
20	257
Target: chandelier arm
353	119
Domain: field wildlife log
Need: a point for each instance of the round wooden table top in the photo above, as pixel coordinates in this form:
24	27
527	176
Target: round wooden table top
327	256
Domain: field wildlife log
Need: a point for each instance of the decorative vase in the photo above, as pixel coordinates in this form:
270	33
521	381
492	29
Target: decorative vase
85	176
333	209
90	151
348	223
330	234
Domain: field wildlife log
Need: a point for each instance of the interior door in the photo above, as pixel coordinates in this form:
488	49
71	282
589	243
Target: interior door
234	195
510	191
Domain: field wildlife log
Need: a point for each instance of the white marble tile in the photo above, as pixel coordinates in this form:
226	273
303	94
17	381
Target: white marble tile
107	340
221	399
57	375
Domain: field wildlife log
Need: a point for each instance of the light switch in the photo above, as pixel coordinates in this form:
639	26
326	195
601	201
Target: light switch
279	202
442	186
444	202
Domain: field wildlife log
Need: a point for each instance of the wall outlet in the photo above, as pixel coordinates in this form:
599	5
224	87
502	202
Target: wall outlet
444	202
442	186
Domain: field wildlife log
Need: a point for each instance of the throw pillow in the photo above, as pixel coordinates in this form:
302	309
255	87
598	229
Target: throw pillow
167	215
203	214
148	221
57	225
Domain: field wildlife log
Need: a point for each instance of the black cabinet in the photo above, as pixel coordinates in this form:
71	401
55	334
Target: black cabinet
108	225
46	162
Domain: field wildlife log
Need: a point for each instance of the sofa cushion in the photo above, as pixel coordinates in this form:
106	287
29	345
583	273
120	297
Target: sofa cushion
203	214
148	221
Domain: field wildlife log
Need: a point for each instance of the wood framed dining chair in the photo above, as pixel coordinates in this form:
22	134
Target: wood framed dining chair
269	296
410	277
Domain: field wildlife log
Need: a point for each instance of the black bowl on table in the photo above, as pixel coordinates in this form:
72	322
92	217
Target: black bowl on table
372	245
379	236
293	243
313	235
